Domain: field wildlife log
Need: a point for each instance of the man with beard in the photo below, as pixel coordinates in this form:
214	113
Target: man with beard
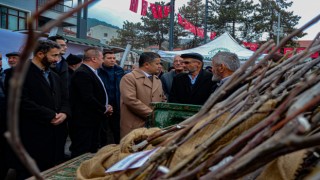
224	64
138	89
61	67
193	87
43	111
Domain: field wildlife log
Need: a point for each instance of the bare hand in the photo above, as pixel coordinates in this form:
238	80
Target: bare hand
60	117
109	110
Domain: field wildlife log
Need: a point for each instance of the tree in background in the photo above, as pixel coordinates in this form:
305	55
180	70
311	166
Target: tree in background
155	30
243	19
194	13
151	31
130	32
267	18
247	21
234	16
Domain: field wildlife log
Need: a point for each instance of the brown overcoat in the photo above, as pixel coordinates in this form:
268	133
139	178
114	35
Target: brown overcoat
137	92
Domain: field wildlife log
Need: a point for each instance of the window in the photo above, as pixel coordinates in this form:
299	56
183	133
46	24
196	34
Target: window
13	19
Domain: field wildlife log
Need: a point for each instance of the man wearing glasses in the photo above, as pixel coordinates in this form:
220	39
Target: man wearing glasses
193	87
167	78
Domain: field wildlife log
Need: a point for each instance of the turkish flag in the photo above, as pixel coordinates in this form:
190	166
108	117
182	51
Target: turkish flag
134	5
246	44
166	11
159	9
200	32
253	46
193	29
154	10
299	49
213	35
144	8
187	25
180	20
288	50
315	55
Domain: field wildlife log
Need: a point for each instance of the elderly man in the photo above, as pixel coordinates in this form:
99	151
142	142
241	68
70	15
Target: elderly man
167	78
224	64
13	58
138	89
193	87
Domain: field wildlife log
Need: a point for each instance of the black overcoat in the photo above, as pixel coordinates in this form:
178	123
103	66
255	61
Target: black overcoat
88	105
40	101
183	92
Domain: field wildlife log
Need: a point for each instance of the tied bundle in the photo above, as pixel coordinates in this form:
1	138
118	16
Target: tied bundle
265	118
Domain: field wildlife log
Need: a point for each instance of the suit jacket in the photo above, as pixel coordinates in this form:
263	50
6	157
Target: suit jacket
112	89
183	92
40	101
88	98
137	92
166	80
63	72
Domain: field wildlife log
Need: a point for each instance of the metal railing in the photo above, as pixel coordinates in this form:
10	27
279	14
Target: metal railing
60	7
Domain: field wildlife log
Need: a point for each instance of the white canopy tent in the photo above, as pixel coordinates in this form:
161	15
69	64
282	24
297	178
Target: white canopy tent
225	42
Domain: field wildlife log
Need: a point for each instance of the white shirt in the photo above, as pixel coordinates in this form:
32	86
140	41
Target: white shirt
104	88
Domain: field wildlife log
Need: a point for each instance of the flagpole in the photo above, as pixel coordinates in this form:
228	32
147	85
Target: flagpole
171	25
205	22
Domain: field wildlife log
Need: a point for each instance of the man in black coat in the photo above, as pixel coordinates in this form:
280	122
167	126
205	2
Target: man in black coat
111	74
193	87
89	104
43	111
61	67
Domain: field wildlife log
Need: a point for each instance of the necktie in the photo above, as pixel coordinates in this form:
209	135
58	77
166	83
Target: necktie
46	76
151	78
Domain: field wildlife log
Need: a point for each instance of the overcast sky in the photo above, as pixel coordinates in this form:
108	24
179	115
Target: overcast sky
115	12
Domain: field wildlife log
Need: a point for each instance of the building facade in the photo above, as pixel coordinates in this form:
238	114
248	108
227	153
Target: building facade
103	33
14	14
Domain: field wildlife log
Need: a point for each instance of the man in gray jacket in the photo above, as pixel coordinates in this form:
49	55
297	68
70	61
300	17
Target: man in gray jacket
167	78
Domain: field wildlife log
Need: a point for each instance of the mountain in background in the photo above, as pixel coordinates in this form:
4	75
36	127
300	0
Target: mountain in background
94	22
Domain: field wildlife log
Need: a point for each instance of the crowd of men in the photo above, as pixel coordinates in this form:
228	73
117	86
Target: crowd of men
93	101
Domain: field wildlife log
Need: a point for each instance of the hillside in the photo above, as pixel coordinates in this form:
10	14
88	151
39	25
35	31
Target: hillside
94	22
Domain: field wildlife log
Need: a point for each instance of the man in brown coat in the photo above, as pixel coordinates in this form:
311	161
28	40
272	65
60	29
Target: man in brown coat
138	89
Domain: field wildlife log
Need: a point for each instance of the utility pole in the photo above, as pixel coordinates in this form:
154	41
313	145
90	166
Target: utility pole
205	22
171	25
82	17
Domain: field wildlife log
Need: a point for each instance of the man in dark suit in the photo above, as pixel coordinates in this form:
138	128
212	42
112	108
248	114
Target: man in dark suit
61	67
193	87
43	111
89	104
111	74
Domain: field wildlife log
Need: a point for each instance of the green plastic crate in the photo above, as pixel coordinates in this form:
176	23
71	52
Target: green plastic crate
167	114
